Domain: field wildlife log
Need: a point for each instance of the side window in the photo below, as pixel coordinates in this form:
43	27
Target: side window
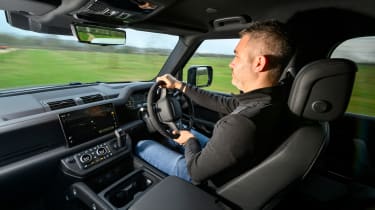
362	51
217	53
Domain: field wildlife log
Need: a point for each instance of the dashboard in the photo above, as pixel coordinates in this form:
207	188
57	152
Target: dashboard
50	139
137	100
69	120
76	133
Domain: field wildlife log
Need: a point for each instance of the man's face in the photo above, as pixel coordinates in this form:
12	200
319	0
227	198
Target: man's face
242	63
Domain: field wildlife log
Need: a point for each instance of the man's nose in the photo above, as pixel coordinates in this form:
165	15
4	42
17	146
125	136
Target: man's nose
231	64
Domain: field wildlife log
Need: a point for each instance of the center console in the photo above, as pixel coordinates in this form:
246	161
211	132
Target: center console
93	157
139	192
100	164
119	195
96	131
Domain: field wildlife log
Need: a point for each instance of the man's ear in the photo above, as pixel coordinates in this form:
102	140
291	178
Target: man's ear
260	63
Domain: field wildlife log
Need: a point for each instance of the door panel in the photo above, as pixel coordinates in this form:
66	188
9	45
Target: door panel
352	148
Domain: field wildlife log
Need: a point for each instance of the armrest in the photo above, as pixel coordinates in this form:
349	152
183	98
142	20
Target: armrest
173	193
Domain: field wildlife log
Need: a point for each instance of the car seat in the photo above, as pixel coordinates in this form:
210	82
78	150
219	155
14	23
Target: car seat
319	94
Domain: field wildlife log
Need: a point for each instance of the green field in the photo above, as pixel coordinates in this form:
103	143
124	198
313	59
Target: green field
36	67
222	74
363	95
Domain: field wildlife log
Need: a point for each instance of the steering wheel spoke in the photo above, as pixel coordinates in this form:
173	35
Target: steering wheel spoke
166	112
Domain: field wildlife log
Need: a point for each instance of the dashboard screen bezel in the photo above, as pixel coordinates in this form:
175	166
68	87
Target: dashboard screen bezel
83	125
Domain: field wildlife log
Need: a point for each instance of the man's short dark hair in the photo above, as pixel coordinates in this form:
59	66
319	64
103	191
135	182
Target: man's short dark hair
278	48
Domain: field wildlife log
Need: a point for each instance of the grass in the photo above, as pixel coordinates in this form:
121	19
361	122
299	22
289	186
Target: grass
38	67
222	81
363	95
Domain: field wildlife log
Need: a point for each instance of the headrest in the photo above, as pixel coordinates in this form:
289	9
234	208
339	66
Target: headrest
322	89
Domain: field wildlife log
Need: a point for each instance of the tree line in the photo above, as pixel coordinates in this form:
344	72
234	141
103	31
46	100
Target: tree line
49	42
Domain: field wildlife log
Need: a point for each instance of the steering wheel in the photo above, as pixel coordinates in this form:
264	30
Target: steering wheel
165	109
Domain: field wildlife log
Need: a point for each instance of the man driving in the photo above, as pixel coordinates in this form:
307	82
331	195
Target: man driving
253	125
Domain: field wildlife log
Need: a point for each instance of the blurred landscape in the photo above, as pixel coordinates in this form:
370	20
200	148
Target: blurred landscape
51	61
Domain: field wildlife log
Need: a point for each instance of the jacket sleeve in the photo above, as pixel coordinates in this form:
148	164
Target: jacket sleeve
232	140
212	101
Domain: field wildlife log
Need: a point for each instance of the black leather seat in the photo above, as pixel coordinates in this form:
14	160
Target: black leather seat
320	93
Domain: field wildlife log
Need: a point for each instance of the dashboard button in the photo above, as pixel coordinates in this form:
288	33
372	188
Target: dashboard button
85	158
101	151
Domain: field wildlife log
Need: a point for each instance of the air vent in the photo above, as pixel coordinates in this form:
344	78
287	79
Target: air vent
92	98
61	104
112	96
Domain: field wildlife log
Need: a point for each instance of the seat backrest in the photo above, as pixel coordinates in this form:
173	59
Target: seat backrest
289	72
319	94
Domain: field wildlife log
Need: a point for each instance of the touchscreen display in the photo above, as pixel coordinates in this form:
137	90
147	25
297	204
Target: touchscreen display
82	125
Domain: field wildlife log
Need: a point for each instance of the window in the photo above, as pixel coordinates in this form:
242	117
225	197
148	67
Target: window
362	51
30	59
218	54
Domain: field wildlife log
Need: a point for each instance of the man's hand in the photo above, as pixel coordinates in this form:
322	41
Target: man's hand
184	136
170	81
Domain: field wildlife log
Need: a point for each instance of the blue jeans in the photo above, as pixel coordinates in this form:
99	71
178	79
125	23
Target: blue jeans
163	158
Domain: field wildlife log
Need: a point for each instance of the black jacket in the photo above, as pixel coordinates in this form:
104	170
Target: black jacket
250	131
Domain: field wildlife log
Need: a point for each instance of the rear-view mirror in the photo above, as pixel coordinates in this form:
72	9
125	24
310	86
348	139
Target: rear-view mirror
98	35
200	76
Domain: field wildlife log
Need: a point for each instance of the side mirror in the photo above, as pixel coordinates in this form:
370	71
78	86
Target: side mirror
200	76
98	35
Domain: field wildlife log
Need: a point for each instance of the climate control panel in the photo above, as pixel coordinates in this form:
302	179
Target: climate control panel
90	158
94	155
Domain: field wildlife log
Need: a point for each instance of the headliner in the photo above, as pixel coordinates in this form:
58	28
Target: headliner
183	17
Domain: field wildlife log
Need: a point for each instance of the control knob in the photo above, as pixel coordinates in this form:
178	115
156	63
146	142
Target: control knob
101	151
85	158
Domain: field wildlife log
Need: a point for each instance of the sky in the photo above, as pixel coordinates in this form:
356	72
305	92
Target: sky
360	50
364	47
